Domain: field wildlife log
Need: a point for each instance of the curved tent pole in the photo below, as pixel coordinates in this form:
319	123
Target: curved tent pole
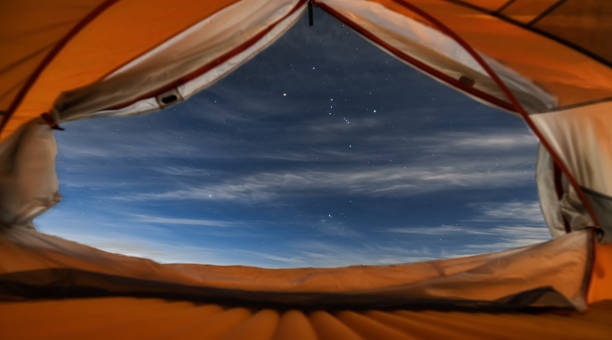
513	101
49	58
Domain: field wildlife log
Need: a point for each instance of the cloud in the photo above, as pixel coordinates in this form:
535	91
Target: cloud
527	212
181	221
497	141
482	238
181	171
158	245
514	236
438	230
374	181
282	259
78	150
491	140
333	254
490	229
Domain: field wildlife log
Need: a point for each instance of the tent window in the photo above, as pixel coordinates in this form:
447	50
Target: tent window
320	151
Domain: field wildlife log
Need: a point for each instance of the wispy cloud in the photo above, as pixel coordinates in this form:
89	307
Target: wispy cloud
492	140
181	221
526	212
495	227
136	145
513	236
399	181
181	171
272	260
332	254
489	239
439	230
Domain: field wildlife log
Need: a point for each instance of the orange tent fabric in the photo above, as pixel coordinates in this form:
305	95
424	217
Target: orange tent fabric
82	59
601	276
147	317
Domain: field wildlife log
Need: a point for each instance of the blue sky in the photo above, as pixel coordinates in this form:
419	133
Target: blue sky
321	151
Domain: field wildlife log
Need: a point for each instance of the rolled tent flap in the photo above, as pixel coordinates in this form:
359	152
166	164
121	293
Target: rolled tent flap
582	137
551	274
544	70
28	183
70	45
184	64
417	43
561	207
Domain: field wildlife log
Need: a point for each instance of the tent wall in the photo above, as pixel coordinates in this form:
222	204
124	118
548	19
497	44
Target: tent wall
126	57
600	288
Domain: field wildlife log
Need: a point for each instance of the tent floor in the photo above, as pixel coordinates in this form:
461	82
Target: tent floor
130	318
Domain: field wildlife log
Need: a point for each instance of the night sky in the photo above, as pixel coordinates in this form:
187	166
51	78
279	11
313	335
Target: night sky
321	151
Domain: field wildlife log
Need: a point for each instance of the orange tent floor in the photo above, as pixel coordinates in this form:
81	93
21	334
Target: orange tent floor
131	318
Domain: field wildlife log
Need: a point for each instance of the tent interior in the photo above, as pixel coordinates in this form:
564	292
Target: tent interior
547	62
